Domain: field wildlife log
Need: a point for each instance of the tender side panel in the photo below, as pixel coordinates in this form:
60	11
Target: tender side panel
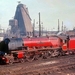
72	44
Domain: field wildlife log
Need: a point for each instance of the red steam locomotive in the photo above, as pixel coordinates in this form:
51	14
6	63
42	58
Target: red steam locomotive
34	48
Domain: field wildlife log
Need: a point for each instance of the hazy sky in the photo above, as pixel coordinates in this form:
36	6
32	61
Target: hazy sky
50	11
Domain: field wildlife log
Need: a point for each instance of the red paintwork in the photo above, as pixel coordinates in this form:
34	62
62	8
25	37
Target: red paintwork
64	47
55	41
42	42
20	54
37	42
72	43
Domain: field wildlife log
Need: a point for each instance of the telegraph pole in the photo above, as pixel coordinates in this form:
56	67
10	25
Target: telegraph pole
34	28
42	30
62	25
58	25
39	26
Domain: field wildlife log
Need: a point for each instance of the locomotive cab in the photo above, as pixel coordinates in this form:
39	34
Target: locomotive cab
69	47
65	45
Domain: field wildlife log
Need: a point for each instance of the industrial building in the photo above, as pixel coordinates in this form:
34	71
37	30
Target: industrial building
21	24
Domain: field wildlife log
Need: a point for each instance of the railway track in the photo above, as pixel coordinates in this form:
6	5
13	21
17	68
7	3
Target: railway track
56	70
52	66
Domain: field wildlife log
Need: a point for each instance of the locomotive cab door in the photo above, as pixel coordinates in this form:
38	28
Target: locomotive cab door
65	45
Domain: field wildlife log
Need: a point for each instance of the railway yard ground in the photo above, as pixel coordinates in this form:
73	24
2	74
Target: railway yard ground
64	65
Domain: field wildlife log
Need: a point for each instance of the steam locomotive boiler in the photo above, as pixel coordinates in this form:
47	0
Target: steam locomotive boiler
34	43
